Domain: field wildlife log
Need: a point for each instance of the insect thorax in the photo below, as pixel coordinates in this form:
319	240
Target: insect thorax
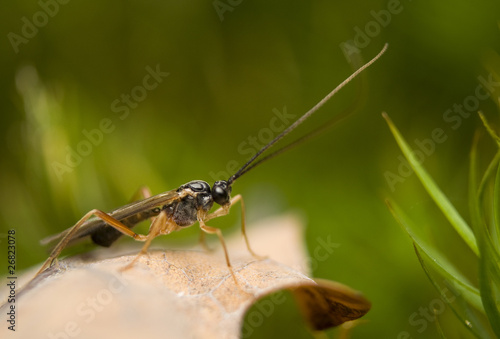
196	196
193	196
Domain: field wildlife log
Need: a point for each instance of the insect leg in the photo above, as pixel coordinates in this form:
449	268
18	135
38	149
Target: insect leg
213	230
155	230
100	214
225	210
106	236
203	242
142	193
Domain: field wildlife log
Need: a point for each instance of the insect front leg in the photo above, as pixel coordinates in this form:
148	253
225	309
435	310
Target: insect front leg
100	214
225	210
213	230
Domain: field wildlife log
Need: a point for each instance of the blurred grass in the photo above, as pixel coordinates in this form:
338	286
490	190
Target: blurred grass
479	238
225	80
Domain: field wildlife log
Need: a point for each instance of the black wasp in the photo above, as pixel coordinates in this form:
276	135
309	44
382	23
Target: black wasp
176	209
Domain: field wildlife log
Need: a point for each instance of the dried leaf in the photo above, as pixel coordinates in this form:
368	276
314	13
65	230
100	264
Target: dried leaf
181	293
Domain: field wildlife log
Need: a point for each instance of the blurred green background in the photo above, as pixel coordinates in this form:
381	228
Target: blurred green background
65	68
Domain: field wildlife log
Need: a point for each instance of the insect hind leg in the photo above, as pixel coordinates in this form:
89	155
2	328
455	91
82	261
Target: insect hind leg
98	213
106	236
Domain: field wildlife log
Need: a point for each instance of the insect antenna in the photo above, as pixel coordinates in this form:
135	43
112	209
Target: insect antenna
299	141
356	63
248	166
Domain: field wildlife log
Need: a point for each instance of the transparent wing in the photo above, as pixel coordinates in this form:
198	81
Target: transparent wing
121	213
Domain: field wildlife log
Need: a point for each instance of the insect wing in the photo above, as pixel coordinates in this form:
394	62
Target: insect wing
136	207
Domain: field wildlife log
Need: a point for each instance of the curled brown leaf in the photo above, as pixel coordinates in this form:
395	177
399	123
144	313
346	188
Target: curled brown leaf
182	293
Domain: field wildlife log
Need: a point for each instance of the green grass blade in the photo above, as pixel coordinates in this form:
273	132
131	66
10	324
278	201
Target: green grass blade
437	195
459	305
438	327
489	273
474	192
496	208
488	174
490	130
433	258
477	197
492	167
488	280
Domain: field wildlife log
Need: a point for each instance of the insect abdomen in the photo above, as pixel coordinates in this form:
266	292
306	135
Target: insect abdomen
107	235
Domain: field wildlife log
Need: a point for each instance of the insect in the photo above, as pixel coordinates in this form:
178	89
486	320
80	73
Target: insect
179	208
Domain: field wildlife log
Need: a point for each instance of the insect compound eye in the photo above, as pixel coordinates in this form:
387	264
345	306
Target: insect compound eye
221	192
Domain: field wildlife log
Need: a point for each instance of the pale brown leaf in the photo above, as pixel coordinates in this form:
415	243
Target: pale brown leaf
180	293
